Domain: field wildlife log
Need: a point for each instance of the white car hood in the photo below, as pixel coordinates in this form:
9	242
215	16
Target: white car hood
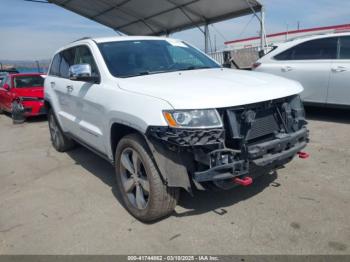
211	88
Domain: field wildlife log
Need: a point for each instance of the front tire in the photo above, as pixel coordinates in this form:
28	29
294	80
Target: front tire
58	139
143	192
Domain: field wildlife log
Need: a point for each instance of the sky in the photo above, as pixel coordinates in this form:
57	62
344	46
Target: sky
33	31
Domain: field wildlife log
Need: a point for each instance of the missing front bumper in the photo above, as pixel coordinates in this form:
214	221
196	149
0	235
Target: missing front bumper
228	164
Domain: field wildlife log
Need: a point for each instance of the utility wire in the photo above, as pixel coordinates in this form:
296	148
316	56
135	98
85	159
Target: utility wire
246	26
219	33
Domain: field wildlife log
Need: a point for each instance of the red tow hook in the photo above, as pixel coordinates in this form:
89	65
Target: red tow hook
303	155
246	181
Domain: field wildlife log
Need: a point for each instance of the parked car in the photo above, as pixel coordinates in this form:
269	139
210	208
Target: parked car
320	63
169	117
11	70
2	76
22	95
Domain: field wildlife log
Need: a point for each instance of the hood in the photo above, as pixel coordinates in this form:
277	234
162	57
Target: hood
212	88
37	92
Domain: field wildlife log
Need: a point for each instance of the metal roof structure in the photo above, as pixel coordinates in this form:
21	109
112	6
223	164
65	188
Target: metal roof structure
158	17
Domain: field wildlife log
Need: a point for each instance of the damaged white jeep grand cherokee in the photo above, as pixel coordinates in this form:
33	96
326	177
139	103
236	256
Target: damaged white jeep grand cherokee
169	118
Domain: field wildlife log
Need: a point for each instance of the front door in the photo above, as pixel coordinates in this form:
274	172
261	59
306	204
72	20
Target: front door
88	109
339	85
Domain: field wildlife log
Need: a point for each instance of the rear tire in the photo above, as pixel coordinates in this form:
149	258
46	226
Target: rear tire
143	192
17	113
58	139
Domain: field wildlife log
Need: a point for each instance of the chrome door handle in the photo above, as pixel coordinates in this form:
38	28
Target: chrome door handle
339	69
69	88
286	69
53	84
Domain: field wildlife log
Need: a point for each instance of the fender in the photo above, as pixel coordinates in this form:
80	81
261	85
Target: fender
171	165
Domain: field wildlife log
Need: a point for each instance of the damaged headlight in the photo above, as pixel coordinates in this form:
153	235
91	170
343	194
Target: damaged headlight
204	118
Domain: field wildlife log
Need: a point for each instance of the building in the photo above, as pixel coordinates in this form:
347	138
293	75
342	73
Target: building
254	42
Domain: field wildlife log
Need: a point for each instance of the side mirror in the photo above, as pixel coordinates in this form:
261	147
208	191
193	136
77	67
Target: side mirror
6	87
81	72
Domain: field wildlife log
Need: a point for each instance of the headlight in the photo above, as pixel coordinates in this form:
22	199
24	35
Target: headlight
206	118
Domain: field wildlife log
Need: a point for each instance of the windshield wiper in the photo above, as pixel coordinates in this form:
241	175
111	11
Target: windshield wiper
195	68
136	74
143	73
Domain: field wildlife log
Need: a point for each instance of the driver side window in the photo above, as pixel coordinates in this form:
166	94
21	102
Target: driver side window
83	55
67	60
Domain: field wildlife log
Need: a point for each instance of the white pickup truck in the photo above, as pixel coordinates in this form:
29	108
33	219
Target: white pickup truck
169	118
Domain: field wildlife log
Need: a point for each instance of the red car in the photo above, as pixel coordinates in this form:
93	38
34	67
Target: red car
22	95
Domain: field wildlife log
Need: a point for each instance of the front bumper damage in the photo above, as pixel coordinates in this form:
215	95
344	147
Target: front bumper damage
255	139
228	164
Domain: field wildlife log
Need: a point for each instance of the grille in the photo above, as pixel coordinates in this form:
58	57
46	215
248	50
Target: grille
26	98
264	124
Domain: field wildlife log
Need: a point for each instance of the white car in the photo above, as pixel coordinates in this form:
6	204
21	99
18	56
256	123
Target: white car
320	63
169	117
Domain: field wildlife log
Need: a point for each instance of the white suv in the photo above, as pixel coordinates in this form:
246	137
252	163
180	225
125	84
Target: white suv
169	117
320	63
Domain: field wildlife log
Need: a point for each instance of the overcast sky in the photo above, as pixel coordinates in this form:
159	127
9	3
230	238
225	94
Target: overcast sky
34	31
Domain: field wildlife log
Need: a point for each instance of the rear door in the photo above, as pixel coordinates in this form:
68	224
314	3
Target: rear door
308	63
339	87
58	80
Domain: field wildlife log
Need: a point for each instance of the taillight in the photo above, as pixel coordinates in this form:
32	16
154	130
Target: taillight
256	65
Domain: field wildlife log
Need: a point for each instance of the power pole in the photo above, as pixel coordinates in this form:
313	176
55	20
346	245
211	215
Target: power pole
206	38
215	43
37	65
263	41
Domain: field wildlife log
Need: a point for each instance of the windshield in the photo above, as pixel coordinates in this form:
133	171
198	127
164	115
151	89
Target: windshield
143	57
28	81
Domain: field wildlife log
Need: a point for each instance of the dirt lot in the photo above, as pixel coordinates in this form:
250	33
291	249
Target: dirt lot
52	203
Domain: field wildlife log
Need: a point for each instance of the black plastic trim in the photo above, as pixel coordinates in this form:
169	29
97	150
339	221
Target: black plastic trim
187	137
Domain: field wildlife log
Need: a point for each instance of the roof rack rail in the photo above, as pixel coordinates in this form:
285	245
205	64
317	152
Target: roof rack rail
338	31
306	36
83	38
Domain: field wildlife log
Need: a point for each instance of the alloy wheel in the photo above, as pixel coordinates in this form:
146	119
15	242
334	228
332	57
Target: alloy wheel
54	130
134	178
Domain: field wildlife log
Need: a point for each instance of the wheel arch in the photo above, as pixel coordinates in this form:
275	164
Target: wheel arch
47	105
117	132
169	164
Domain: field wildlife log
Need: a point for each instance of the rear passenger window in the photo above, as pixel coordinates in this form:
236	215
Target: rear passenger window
67	60
55	65
344	47
318	49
